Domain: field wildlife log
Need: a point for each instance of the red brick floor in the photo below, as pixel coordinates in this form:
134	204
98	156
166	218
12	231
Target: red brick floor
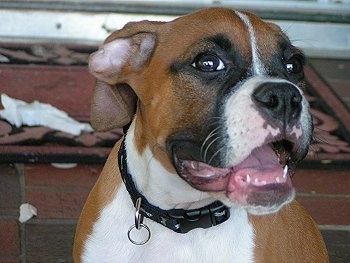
58	194
325	193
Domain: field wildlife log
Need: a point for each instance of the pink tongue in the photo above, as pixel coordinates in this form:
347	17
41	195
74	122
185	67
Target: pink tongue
261	158
260	167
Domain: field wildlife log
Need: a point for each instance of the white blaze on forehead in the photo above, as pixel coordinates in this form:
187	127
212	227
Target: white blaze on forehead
257	67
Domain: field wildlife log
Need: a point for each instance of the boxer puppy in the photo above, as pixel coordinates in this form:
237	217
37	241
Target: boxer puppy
218	123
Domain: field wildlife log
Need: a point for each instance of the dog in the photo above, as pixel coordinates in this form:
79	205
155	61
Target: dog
215	119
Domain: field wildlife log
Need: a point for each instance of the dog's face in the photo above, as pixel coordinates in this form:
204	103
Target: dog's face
218	102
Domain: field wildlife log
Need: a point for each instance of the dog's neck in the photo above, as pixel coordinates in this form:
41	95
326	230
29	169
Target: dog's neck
159	186
180	220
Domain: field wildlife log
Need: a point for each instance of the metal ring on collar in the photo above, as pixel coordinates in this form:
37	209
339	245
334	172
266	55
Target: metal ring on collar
139	242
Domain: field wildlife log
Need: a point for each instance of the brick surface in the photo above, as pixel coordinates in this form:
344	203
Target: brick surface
322	181
47	175
49	242
9	239
59	193
57	203
338	245
327	211
9	191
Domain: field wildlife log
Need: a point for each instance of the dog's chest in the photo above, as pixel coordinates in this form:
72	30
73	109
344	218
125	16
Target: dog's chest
232	241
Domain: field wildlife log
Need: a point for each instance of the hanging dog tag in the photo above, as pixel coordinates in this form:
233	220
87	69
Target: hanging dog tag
143	232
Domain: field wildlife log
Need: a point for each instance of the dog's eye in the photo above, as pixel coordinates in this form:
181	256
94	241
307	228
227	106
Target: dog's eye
294	65
208	63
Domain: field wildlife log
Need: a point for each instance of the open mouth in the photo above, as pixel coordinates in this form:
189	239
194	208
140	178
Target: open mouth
262	179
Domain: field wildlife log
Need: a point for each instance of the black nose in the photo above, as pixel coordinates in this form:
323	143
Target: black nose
281	101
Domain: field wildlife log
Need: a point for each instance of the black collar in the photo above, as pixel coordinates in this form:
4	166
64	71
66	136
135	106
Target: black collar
178	220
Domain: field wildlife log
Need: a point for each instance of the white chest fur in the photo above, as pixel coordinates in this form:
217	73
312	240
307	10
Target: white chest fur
231	241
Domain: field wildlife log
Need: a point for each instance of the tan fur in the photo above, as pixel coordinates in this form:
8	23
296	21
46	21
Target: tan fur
290	235
100	196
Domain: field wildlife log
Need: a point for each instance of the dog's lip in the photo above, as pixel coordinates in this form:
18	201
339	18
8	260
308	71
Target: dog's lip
264	167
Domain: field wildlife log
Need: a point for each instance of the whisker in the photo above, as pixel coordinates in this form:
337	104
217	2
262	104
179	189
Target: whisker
210	135
209	145
213	136
218	117
215	154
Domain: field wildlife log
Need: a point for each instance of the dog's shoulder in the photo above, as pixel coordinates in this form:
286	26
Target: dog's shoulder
291	234
100	196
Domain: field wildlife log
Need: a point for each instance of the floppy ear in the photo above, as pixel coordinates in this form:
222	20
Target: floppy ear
112	106
124	51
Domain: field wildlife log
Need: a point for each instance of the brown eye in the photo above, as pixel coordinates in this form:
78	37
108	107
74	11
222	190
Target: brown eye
208	63
294	65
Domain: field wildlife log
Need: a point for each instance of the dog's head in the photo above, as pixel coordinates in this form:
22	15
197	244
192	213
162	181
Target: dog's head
218	100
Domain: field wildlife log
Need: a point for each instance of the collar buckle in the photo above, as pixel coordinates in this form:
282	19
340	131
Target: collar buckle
205	217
